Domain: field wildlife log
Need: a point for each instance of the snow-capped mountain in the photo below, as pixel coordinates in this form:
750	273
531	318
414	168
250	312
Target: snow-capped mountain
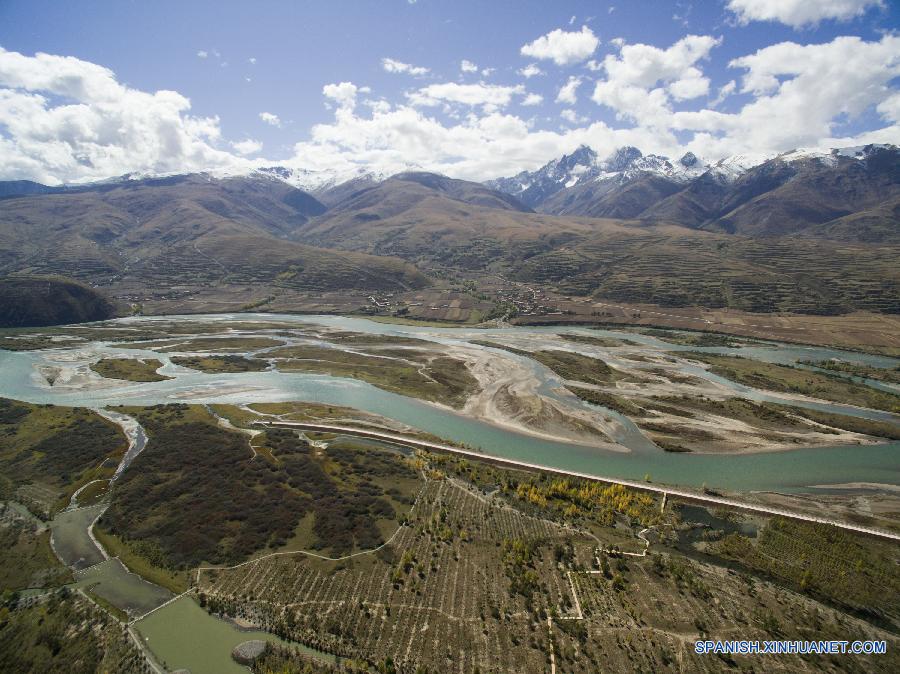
584	166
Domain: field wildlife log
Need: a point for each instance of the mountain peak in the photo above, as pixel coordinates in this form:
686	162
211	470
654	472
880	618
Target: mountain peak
622	158
689	160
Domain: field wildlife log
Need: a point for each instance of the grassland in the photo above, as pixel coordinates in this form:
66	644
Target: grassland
414	373
785	379
129	369
47	452
217	364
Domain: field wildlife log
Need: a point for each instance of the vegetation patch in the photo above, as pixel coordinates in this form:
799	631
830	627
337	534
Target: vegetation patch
418	374
608	400
857	573
218	364
129	369
890	375
198	494
47	452
26	558
783	378
568	365
65	633
881	429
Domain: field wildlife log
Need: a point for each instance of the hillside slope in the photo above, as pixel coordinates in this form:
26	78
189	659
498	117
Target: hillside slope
183	229
38	301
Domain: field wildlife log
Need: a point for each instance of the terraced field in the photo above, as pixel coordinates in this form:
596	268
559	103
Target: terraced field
713	271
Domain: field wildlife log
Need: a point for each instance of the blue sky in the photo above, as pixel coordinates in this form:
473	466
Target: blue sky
718	78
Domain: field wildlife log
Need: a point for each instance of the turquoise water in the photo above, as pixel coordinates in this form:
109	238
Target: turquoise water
785	471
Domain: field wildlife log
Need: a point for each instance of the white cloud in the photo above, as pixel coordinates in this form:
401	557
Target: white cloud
800	93
568	91
493	95
724	92
252	60
344	94
394	66
643	80
799	13
531	70
468	66
63	119
572	117
246	147
68	120
889	109
270	118
562	47
202	54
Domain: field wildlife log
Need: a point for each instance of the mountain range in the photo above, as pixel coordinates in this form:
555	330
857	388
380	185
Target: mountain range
802	231
845	194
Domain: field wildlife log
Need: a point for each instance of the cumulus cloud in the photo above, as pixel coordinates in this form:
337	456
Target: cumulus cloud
568	91
531	70
270	118
643	80
343	94
63	119
202	54
563	47
800	94
394	66
247	147
799	13
468	66
68	120
492	95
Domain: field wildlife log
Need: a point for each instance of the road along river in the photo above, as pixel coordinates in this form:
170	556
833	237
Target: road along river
788	471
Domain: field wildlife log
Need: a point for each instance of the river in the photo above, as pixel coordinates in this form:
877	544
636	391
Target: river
791	470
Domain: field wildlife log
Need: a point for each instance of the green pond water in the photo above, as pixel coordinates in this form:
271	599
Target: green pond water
121	588
184	636
70	539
